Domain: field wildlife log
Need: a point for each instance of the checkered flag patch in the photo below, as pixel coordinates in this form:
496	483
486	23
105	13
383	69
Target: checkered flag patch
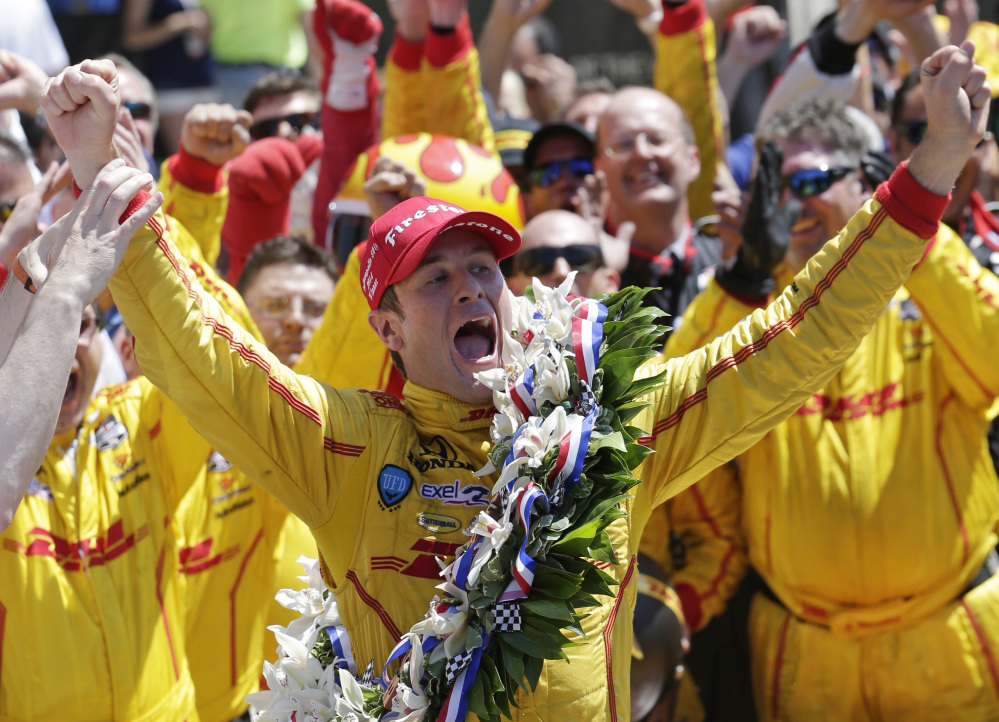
456	665
587	400
507	616
557	494
368	678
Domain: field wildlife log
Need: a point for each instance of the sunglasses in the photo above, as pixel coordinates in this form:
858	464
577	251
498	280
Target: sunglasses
812	181
550	172
138	111
541	261
269	128
6	209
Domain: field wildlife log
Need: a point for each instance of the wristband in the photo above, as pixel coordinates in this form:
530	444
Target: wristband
21	275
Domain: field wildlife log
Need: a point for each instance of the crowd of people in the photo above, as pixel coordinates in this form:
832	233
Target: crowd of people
248	279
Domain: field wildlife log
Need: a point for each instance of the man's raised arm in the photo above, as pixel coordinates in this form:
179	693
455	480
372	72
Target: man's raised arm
82	249
294	437
724	397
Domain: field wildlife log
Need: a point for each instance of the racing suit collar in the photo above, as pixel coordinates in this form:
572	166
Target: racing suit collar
437	410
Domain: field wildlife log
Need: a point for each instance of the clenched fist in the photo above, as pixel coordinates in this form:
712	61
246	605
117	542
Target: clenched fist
216	133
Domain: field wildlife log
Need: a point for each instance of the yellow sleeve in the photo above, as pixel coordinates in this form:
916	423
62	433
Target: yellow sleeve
707	519
403	110
294	437
227	296
195	192
452	88
721	399
685	71
960	301
344	351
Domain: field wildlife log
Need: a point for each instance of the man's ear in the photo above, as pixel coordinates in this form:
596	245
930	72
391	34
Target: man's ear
693	162
388	327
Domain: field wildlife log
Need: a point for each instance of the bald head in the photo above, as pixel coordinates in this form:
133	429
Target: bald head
555	243
646	149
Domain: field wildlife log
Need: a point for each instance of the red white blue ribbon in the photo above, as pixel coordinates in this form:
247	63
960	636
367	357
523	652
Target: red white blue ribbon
522	393
456	707
587	335
572	451
524	565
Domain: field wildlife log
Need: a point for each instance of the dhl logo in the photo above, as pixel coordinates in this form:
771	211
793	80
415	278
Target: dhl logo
425	565
872	403
199	558
74	556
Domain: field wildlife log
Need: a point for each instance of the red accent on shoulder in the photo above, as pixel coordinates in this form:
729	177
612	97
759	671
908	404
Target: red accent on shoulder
730	362
910	204
608	631
384	400
374	604
681	18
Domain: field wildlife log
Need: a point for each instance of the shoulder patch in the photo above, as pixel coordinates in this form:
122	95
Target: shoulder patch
217	463
109	433
384	400
42	491
394	484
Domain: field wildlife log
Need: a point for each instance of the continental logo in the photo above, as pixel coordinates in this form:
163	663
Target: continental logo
438	523
76	555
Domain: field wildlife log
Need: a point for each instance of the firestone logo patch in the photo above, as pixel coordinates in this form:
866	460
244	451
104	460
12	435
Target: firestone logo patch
402	225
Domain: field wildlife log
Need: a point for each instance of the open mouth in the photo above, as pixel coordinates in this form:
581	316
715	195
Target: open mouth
805	224
476	339
71	386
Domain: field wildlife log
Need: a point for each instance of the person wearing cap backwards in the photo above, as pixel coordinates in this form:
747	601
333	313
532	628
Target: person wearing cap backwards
387	486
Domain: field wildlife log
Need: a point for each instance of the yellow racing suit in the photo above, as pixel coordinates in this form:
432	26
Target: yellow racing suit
91	616
237	546
870	510
387	486
685	71
434	86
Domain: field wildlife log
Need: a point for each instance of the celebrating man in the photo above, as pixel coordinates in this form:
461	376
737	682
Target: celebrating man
386	486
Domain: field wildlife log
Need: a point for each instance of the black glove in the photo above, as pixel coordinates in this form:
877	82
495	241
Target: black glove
766	230
877	167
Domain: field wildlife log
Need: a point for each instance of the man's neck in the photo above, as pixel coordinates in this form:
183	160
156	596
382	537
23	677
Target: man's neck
657	237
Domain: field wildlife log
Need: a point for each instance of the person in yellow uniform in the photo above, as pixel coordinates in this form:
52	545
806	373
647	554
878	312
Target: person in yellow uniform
386	486
92	620
872	512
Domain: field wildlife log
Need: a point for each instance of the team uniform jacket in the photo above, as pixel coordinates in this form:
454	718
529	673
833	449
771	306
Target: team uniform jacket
685	71
875	503
388	486
91	615
434	86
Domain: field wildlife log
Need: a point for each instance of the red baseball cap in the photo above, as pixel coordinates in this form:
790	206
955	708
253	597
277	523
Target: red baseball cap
400	239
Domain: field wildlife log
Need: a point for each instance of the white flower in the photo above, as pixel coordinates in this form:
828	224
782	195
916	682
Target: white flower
551	379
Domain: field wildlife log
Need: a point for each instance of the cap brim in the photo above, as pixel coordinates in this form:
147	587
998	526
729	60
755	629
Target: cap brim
503	240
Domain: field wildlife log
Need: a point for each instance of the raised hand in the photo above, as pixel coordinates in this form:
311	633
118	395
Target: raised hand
446	13
81	251
216	133
21	82
766	230
756	35
411	17
515	13
391	183
81	107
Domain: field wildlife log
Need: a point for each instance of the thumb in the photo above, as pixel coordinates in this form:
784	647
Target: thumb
625	231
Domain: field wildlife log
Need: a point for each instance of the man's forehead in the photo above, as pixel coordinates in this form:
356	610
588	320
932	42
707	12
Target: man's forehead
558	229
456	244
801	153
131	89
